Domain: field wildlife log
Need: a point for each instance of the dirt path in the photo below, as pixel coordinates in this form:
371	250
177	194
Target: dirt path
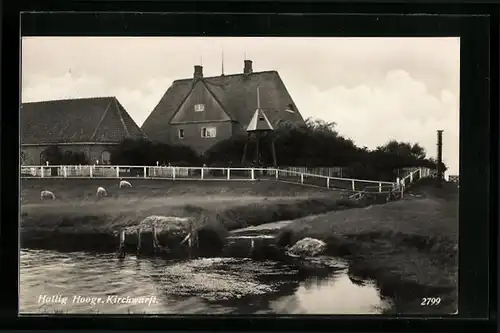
264	230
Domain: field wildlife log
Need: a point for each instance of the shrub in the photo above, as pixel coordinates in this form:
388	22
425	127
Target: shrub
145	152
317	144
56	156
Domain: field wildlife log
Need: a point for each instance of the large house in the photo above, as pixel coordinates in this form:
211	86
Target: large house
201	111
88	125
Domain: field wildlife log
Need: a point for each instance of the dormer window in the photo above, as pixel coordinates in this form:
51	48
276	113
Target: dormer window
290	108
199	107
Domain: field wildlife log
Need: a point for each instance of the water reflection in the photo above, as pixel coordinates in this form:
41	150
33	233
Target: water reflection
198	286
335	295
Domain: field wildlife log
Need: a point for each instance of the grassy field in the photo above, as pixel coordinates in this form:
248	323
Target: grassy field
410	247
77	220
85	189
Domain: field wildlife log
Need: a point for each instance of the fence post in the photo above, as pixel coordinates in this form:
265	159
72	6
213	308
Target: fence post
65	172
117	171
252	173
328	182
202	173
228	173
276	173
145	172
302	178
173	173
91	173
155	239
380	187
411	177
121	247
41	172
353	185
139	241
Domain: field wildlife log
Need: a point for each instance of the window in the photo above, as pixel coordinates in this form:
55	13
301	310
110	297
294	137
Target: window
106	157
290	108
199	107
261	119
208	132
181	133
43	157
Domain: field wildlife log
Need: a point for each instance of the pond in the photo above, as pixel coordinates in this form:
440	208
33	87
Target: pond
78	282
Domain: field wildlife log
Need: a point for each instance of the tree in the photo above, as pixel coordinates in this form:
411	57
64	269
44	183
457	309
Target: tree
317	143
23	158
74	158
55	156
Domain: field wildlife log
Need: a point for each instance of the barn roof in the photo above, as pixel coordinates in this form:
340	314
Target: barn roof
97	119
236	93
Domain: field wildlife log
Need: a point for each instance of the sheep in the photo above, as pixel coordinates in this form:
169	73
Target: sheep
47	195
124	183
101	192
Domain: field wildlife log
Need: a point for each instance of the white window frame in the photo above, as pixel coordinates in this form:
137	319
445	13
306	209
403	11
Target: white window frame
179	133
199	107
206	130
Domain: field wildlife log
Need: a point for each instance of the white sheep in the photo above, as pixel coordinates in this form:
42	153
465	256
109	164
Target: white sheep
101	192
124	183
47	195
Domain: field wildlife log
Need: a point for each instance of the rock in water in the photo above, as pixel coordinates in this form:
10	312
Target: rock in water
307	247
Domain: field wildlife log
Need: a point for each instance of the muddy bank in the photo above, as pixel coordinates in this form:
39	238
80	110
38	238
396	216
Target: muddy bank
410	247
94	226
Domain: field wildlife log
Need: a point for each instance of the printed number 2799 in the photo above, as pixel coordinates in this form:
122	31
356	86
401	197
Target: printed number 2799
430	301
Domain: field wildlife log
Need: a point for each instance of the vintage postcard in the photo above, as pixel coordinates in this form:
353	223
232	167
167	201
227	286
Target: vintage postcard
203	175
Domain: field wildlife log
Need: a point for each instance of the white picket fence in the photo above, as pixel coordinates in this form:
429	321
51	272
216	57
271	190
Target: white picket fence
402	184
204	173
322	171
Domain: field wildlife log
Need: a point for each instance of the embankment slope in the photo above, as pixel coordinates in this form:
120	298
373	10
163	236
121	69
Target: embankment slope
410	247
77	220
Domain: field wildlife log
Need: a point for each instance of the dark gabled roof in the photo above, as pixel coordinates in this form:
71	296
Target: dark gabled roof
236	93
97	119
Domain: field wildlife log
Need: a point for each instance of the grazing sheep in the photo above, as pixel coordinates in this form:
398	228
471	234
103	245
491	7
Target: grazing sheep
46	195
124	183
101	192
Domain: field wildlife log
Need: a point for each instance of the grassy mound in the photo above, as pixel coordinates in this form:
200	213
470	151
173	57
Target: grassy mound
93	225
409	246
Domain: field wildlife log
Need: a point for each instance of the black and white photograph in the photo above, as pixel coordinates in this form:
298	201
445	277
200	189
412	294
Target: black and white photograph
239	175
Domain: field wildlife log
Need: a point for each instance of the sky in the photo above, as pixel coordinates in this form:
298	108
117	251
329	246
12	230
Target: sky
374	89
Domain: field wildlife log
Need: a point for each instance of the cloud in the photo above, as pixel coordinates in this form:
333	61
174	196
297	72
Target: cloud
138	102
399	107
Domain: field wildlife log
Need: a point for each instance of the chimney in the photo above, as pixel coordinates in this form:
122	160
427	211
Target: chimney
248	67
198	72
439	155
